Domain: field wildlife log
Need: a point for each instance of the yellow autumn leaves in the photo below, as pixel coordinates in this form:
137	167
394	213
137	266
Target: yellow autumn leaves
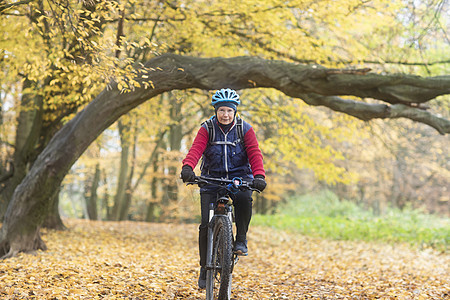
131	260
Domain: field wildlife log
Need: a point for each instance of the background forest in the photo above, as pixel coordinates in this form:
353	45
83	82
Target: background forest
56	56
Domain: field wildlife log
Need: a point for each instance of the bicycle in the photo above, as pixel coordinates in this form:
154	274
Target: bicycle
220	259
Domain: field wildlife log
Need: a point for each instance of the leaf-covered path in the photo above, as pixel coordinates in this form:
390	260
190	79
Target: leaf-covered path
126	260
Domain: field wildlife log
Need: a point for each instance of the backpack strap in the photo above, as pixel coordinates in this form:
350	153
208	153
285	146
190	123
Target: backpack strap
240	130
212	133
210	128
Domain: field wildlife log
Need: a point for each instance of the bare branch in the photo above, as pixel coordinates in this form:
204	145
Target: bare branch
8	174
7	144
6	6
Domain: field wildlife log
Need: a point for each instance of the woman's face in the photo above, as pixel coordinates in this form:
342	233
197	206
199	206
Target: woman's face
225	115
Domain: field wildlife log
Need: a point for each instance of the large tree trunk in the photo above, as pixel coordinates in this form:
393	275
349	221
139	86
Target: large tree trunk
315	85
27	134
53	218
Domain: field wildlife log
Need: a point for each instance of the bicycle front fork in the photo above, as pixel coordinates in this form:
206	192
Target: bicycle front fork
210	238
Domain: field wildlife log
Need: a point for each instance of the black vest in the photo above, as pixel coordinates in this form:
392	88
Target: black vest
225	155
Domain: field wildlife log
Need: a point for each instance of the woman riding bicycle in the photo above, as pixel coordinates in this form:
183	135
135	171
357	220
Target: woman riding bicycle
229	149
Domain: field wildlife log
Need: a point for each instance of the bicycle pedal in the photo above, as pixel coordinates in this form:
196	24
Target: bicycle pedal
240	253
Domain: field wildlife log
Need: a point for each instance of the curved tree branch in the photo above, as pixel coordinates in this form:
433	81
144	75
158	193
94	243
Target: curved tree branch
315	85
8	174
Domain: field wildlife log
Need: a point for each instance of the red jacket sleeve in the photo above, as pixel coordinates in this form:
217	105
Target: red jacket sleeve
254	153
197	149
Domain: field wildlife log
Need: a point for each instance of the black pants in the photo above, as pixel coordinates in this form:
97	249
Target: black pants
242	202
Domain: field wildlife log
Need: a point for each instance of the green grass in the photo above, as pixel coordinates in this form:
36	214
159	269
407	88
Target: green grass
325	216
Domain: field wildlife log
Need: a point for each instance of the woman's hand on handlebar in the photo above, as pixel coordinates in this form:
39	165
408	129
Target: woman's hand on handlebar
259	183
187	174
196	180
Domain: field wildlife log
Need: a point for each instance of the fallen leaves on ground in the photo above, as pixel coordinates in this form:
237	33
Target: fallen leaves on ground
130	260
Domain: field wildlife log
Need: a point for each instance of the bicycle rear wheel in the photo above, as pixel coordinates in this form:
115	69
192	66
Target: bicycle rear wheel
218	278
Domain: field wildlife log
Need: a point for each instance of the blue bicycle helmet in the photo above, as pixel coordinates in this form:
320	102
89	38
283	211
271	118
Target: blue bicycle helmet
225	97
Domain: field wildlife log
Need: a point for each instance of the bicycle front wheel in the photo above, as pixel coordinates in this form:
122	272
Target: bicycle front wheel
218	278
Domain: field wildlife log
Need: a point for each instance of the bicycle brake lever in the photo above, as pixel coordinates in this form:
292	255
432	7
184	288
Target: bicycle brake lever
248	186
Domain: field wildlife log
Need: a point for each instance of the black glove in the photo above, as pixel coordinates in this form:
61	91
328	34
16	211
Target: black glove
187	174
259	182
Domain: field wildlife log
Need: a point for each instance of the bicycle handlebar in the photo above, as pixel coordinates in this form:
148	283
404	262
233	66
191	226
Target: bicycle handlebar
233	184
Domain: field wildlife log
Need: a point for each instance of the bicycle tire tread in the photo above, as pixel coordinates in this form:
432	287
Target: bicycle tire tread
222	232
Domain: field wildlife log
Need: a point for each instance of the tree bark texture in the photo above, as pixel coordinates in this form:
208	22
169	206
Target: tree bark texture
315	85
27	136
52	219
